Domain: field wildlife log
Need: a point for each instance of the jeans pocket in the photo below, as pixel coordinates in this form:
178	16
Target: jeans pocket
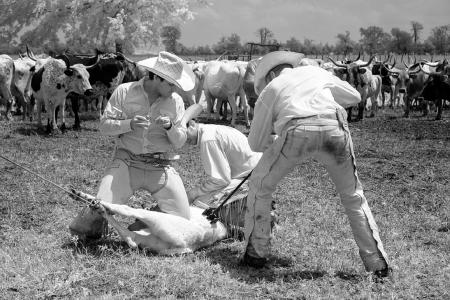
337	145
297	144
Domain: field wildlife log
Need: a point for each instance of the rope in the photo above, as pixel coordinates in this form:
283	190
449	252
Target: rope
73	194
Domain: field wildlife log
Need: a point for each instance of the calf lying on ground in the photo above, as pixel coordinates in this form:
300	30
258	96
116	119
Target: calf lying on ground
168	234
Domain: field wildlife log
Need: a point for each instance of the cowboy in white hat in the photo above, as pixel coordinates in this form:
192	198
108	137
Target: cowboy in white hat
304	107
143	117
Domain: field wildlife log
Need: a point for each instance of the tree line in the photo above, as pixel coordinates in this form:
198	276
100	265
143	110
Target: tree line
109	25
373	40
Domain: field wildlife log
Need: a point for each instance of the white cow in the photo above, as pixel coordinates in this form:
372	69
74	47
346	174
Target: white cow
6	78
21	87
224	81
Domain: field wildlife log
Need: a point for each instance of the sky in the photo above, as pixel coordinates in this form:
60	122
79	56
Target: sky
317	20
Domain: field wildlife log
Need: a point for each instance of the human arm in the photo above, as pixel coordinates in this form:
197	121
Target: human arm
343	93
217	170
170	120
114	121
262	125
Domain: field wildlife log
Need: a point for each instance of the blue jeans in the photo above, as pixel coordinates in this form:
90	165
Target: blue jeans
329	142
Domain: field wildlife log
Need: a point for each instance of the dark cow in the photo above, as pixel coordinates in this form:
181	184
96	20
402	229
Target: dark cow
54	81
410	82
387	81
359	75
105	76
437	88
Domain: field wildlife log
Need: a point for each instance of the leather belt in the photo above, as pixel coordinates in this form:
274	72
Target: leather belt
161	156
320	116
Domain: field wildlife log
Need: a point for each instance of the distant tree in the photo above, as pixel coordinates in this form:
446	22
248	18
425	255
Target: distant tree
231	44
88	24
345	45
327	49
170	36
265	35
416	29
373	39
440	39
294	45
309	47
401	41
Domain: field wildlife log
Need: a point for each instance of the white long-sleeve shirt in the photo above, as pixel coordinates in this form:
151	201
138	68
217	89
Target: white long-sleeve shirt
226	158
129	100
297	93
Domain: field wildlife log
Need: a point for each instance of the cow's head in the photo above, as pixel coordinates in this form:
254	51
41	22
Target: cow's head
77	77
355	72
406	77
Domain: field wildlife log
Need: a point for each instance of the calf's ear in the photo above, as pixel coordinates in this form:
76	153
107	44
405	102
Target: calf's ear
68	72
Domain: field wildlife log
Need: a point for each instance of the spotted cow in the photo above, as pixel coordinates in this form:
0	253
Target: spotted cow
54	81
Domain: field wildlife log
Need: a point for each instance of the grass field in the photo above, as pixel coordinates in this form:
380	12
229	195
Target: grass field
404	165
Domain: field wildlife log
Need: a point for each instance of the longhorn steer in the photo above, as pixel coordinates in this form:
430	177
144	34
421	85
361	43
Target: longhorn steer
224	81
359	75
387	81
6	79
54	81
437	88
410	82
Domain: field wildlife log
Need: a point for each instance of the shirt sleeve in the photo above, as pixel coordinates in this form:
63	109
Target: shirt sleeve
177	134
216	168
114	120
343	93
262	124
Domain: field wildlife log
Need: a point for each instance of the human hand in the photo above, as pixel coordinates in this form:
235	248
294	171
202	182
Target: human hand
139	122
164	122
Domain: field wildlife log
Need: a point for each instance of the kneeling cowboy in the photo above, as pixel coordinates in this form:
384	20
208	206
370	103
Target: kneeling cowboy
142	116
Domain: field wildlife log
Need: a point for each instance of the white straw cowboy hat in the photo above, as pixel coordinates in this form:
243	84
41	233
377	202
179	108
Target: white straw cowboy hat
270	61
171	68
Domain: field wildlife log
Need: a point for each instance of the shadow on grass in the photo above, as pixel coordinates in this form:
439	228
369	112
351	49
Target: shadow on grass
278	268
31	130
96	247
349	276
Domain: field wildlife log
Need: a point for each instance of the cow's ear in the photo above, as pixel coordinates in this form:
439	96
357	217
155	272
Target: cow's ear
362	70
68	72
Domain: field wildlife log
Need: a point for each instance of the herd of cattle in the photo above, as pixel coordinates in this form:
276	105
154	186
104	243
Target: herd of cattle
30	81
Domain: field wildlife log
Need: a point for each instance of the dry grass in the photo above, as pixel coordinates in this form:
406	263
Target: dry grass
403	164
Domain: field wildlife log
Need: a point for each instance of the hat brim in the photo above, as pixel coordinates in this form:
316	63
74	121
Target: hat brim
271	60
186	82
